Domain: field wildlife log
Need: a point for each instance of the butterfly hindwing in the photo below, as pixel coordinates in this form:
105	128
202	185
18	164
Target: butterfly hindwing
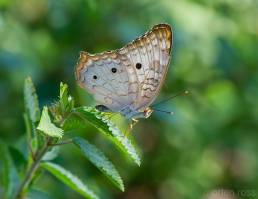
107	77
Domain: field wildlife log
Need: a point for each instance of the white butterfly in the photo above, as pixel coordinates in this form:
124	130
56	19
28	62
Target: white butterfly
129	79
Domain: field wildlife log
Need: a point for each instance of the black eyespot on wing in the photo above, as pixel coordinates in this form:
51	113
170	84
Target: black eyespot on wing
113	70
95	77
138	65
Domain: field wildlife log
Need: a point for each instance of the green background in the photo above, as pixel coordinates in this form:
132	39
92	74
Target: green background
208	149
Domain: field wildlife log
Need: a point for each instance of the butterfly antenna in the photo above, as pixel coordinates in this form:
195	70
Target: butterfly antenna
185	92
162	111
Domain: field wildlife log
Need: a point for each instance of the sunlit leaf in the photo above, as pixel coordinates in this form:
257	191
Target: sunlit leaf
69	179
99	159
31	100
89	114
47	127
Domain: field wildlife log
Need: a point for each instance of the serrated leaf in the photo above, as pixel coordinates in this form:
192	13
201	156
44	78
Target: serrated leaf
94	117
31	100
47	127
96	157
69	179
73	122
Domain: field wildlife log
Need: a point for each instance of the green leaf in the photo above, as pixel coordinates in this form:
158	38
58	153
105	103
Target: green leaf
66	101
69	179
61	108
47	127
8	173
32	113
89	114
97	158
73	122
52	154
31	100
63	96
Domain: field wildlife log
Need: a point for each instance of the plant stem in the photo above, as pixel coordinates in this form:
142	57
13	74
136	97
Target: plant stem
62	143
32	169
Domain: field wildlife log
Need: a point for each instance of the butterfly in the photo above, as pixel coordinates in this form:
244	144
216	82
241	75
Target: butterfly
129	79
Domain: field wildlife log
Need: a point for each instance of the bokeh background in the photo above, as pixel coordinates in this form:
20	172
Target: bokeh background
208	149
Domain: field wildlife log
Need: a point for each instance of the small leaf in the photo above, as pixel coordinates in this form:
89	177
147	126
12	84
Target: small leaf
52	154
61	108
69	179
47	127
97	119
97	158
63	96
31	100
66	101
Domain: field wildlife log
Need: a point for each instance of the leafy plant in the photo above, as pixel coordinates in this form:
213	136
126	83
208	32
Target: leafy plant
45	131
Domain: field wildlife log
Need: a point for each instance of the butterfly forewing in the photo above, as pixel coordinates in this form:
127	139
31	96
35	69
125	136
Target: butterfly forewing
131	76
153	55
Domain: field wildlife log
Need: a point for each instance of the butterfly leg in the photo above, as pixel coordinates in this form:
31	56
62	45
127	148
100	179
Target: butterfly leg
134	122
130	127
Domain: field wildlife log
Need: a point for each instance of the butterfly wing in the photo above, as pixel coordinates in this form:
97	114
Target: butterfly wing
106	76
150	55
131	76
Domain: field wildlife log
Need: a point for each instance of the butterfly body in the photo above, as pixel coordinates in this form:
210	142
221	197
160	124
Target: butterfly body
128	112
129	79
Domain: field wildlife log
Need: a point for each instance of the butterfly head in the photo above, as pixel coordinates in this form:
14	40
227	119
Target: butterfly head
147	112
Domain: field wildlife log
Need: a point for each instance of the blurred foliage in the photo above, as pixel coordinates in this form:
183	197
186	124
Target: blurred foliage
209	144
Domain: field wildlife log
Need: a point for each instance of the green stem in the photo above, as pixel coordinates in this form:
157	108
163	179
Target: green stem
62	143
32	169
